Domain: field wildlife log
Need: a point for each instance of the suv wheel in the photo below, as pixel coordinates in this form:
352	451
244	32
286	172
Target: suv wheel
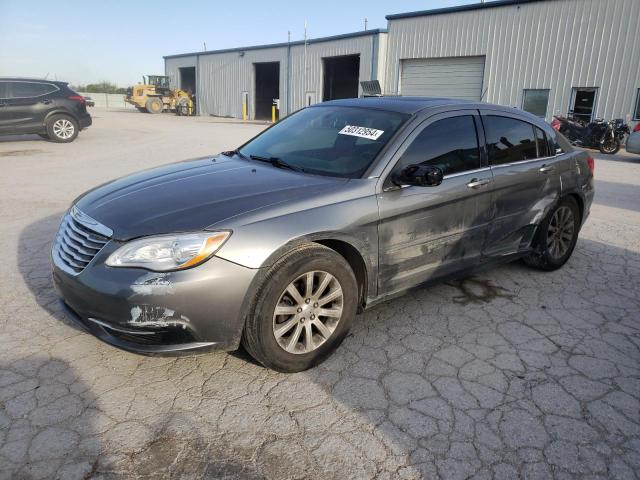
62	129
557	237
303	310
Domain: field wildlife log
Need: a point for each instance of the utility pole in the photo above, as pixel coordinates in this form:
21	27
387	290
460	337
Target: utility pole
204	44
305	58
365	23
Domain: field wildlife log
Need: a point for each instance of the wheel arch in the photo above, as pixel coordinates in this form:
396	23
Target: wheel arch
355	260
60	112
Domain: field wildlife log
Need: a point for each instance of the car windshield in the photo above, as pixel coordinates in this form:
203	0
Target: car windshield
327	140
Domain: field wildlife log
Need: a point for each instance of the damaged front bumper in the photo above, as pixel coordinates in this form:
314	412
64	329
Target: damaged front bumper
202	308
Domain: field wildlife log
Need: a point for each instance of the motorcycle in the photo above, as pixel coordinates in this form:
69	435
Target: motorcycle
605	136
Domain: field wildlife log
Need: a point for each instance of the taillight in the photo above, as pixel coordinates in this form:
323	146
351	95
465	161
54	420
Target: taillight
591	163
555	124
637	127
77	98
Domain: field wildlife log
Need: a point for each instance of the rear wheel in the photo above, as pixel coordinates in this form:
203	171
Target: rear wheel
303	310
154	105
610	146
557	237
62	129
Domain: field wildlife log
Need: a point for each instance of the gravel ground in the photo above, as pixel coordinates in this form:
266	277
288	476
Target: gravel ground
509	373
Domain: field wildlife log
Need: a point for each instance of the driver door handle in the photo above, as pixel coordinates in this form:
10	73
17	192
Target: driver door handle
478	182
547	168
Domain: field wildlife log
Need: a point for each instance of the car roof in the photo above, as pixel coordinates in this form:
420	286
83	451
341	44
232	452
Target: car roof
415	105
398	104
37	80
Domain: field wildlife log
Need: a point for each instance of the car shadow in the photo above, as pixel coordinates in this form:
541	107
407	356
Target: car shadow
22	138
617	195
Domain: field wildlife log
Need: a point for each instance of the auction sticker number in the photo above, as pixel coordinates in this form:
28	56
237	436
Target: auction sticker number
362	132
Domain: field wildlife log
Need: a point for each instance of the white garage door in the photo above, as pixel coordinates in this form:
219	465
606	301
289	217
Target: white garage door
453	77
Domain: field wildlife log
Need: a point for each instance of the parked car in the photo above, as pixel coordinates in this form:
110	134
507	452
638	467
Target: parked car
633	142
342	205
89	101
48	108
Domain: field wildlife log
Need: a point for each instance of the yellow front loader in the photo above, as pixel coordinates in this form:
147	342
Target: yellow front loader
154	95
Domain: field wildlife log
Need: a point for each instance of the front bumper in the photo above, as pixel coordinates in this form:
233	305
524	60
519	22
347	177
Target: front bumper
202	308
633	143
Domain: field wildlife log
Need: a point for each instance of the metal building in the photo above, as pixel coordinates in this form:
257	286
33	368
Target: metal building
227	81
546	56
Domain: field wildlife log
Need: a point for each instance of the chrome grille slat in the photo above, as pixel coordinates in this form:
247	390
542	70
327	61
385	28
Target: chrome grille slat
69	233
79	240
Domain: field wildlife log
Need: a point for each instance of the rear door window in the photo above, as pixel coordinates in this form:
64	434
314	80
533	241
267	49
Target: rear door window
450	144
509	140
30	89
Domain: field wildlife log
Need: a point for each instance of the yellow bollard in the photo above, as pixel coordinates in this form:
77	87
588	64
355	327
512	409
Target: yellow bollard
273	114
244	111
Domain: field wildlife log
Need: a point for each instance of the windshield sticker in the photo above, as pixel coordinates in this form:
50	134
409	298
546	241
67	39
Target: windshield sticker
362	132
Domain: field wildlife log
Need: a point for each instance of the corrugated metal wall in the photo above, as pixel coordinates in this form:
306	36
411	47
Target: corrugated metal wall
556	45
222	77
363	46
172	68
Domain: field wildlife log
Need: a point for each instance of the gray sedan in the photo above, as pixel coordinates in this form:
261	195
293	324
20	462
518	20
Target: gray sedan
278	244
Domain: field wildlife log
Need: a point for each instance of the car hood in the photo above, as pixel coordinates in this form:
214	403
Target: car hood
192	195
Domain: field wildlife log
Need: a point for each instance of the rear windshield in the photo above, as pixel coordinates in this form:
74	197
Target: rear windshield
328	140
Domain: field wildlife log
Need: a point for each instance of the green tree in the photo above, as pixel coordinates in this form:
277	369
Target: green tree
102	87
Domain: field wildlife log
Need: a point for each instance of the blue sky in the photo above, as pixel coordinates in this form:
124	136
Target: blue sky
118	41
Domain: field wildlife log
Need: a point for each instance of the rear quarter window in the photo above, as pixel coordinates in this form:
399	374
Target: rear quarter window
30	89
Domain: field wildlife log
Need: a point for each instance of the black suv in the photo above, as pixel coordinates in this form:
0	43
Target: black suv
47	108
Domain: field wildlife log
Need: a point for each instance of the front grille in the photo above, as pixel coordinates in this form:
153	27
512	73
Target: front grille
79	240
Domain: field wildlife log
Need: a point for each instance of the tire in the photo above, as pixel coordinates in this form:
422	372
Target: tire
287	352
610	146
62	128
544	255
154	105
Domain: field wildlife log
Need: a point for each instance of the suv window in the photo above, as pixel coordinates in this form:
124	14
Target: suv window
450	143
509	140
29	89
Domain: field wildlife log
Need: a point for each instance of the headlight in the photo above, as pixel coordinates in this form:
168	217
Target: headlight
163	253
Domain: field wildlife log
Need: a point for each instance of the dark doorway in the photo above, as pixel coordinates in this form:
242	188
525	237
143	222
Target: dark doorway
341	76
188	79
583	103
267	88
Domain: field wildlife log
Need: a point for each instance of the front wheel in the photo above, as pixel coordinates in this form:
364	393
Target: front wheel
303	310
610	146
62	129
556	237
154	105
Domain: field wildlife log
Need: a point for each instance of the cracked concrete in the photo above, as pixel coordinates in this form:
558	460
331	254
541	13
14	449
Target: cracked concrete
512	373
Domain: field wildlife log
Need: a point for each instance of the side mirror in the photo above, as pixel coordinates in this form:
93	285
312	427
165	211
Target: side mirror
418	176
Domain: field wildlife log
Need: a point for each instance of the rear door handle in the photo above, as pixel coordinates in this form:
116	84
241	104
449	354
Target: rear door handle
477	183
547	168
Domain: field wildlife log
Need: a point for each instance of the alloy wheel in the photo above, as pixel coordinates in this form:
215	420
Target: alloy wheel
308	312
560	232
63	128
